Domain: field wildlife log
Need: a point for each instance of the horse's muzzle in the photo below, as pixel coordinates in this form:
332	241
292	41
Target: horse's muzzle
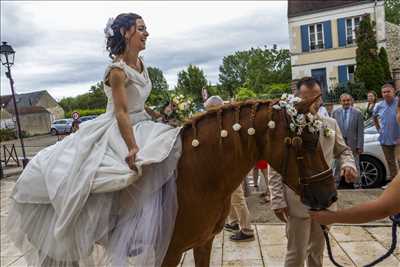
319	196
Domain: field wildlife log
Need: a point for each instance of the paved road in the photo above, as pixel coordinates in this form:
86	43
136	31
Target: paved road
352	245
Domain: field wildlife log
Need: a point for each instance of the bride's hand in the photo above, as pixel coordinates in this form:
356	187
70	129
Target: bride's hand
131	158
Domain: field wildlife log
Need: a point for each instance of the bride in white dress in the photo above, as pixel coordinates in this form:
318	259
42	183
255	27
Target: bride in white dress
112	182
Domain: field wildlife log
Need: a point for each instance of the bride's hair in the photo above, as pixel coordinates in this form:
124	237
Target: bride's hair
115	42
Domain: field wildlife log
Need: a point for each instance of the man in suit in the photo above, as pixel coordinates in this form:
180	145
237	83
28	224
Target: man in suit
351	124
305	236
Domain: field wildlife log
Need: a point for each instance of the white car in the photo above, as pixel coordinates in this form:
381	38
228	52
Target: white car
373	167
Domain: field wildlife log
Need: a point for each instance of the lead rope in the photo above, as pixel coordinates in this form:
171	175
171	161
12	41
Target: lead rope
395	222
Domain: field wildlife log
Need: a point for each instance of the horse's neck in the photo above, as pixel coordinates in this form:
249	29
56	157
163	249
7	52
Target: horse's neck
220	164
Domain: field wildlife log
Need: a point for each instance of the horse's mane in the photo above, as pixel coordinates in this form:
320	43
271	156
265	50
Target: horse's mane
226	107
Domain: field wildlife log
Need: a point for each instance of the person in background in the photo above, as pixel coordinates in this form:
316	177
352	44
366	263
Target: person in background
351	124
261	166
239	215
213	102
385	120
75	125
322	110
385	205
329	108
372	98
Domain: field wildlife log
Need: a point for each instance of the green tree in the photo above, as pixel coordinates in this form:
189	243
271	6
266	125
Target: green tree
255	69
97	98
369	69
268	66
383	57
94	99
392	11
244	93
275	90
159	92
67	103
190	82
218	90
233	71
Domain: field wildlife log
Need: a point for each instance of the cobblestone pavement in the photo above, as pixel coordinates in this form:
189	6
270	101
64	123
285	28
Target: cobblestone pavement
352	245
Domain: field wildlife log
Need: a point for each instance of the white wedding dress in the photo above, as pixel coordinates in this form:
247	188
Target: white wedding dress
80	191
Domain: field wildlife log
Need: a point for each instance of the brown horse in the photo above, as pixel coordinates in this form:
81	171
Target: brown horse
210	172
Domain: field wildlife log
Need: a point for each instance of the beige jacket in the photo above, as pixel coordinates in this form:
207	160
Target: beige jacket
333	147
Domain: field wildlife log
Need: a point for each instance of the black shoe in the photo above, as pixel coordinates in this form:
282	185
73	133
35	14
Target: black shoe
232	227
241	237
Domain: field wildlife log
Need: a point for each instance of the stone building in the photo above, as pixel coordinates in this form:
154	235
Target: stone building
6	119
34	120
323	38
393	48
37	110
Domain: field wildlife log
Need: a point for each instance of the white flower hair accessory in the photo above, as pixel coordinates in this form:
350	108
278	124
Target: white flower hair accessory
108	31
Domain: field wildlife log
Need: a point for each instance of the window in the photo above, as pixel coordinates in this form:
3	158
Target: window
316	36
350	72
351	28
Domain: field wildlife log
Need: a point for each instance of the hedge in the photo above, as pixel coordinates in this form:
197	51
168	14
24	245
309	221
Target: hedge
85	112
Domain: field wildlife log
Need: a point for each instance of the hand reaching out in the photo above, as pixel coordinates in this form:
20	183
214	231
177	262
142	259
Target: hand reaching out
131	158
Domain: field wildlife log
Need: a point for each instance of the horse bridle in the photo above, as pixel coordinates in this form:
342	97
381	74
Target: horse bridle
297	142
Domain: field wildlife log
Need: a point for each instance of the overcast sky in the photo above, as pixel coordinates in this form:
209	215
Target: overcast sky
60	46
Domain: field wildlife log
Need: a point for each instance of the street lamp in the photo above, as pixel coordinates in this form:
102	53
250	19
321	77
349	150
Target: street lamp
7	55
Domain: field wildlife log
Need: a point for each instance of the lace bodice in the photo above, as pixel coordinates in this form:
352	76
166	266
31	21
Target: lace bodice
138	87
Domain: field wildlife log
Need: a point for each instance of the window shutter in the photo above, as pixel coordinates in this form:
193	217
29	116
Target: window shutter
342	74
327	34
304	38
342	32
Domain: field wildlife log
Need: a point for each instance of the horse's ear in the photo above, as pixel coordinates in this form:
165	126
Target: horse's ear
304	106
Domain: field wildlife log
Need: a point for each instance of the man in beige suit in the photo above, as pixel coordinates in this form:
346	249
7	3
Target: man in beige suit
305	237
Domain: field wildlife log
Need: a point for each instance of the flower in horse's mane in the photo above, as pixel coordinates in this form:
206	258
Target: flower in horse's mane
271	124
251	131
195	143
301	119
298	121
224	133
292	127
277	107
236	127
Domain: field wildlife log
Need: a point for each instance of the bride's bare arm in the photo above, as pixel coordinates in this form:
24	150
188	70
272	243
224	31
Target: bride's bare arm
117	82
154	114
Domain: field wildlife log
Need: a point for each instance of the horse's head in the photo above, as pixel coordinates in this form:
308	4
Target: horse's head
293	149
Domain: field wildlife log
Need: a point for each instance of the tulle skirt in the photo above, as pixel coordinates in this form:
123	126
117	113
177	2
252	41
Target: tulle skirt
129	227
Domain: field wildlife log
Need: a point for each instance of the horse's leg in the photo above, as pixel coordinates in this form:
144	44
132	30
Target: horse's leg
202	254
171	259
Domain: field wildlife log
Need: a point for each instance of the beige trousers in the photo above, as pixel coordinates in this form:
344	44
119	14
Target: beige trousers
305	237
305	243
239	212
392	157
